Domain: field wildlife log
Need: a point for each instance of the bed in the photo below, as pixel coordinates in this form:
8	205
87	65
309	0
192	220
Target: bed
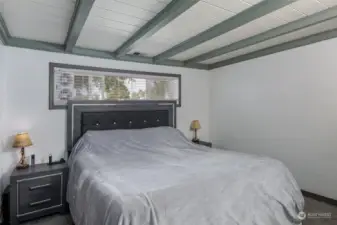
130	166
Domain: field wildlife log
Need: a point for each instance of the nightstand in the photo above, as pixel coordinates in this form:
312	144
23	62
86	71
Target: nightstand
38	191
208	144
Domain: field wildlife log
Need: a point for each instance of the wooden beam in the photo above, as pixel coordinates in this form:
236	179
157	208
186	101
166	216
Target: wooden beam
169	13
278	48
134	58
93	53
35	45
44	46
259	10
4	33
276	32
80	15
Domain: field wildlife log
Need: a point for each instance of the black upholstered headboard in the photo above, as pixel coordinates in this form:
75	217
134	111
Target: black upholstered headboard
111	115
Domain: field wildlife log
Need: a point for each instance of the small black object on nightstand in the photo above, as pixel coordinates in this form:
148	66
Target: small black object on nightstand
205	143
32	160
38	191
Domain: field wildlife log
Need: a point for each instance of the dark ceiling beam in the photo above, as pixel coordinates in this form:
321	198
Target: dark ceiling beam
93	53
276	32
58	48
134	58
80	15
259	10
169	13
278	48
4	33
35	45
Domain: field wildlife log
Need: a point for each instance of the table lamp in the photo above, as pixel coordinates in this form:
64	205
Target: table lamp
195	126
22	140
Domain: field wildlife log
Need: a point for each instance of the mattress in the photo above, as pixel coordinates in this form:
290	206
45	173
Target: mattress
156	176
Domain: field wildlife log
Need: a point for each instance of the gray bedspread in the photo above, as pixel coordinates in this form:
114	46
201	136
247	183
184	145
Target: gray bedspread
156	176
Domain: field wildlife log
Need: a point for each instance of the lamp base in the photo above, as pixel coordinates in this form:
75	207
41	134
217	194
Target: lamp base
22	163
195	140
22	166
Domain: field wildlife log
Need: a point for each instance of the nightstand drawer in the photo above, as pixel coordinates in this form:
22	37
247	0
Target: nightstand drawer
37	206
39	193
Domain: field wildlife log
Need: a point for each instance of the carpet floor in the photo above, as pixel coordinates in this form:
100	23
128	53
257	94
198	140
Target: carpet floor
318	213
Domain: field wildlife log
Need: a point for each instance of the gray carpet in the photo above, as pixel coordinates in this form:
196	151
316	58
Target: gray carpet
318	213
52	220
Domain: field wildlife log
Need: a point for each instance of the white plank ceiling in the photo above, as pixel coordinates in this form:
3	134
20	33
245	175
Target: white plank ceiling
111	22
285	15
325	26
198	18
45	20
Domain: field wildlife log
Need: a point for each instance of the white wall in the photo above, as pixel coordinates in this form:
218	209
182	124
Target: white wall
2	82
2	88
6	158
27	98
283	105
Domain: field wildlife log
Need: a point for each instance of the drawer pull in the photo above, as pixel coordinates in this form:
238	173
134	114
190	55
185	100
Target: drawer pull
40	202
40	186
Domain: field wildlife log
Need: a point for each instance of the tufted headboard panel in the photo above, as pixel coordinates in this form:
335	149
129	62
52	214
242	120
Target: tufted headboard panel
111	115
